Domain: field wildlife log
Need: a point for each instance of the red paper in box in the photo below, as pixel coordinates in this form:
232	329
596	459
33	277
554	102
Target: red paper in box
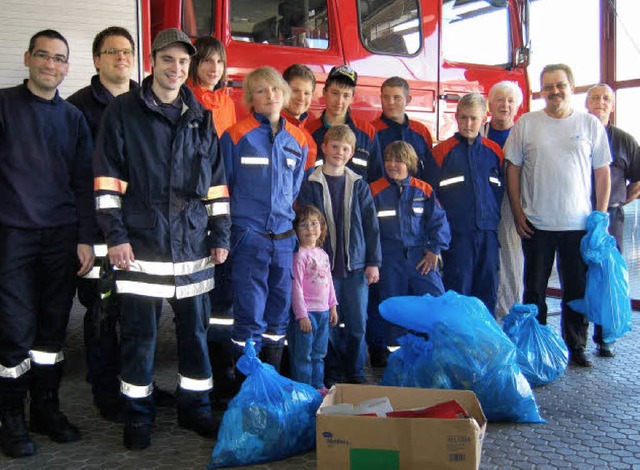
446	410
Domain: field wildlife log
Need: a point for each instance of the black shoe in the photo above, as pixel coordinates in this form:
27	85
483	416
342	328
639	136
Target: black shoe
579	358
605	350
162	398
14	437
137	436
111	409
46	418
379	357
204	424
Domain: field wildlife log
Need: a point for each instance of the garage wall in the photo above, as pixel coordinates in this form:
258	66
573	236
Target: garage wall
77	20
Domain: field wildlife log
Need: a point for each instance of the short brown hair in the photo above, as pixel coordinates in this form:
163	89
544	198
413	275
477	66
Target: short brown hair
554	68
305	213
299	71
397	82
403	152
341	133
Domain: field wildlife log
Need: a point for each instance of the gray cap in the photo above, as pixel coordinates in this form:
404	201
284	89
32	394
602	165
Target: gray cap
167	37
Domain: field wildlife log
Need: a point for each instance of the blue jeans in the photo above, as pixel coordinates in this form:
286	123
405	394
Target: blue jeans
307	350
347	348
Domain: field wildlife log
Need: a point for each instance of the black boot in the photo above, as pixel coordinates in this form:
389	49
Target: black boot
137	436
272	354
202	423
46	417
14	437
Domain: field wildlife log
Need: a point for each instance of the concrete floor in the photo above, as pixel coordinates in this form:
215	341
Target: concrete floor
592	420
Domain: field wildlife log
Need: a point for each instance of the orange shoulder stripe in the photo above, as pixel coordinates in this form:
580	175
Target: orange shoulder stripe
423	130
238	130
443	148
378	124
314	125
365	127
107	183
378	186
495	147
422	185
296	133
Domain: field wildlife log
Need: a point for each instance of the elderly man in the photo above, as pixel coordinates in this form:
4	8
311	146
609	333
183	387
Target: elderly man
552	155
162	203
46	228
625	167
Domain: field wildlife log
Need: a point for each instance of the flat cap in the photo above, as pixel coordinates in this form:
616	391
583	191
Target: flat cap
169	36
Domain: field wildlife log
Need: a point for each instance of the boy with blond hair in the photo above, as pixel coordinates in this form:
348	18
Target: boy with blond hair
353	246
466	171
264	158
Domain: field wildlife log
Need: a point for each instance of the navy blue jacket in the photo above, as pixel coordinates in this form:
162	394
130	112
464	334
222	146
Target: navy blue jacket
92	100
625	165
45	164
367	157
161	187
469	181
412	132
362	233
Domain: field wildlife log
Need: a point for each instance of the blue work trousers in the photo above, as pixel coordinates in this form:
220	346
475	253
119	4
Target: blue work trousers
471	266
139	325
347	350
261	278
308	350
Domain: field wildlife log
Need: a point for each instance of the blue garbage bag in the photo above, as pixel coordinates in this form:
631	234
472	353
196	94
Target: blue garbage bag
541	353
606	301
468	351
271	418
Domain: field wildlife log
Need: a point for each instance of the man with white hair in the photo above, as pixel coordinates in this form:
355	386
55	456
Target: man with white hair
625	167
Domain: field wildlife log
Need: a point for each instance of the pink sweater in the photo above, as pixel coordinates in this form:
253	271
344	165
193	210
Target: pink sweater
312	284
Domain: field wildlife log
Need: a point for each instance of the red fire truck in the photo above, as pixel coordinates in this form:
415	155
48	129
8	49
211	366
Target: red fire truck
443	48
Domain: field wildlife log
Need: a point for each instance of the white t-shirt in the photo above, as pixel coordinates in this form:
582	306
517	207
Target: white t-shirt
557	157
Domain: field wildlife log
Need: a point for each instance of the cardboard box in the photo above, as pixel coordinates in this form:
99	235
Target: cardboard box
372	443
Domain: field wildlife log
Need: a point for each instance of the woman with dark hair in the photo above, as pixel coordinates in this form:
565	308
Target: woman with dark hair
207	80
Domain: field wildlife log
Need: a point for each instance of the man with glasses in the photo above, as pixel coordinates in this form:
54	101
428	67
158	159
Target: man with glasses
113	58
552	155
46	232
625	167
163	205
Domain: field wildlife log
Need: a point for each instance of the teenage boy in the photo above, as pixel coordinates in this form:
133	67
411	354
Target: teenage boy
467	171
353	246
302	83
394	124
338	93
264	159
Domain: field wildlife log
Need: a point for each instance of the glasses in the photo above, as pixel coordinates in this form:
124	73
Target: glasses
560	86
308	225
114	51
43	56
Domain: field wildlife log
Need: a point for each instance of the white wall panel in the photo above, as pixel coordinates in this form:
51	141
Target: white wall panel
77	20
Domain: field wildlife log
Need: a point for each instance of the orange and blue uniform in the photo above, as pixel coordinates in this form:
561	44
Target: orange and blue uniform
469	181
219	103
301	124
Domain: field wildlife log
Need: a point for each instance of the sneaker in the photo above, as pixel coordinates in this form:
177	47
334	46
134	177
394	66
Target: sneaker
137	436
203	424
579	358
605	350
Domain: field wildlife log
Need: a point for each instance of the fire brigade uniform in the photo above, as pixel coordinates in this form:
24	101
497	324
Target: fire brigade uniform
102	350
220	104
264	172
412	132
312	151
160	186
45	211
367	157
469	181
412	223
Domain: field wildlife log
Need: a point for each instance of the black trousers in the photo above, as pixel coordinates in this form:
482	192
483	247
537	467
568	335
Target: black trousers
539	253
37	284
